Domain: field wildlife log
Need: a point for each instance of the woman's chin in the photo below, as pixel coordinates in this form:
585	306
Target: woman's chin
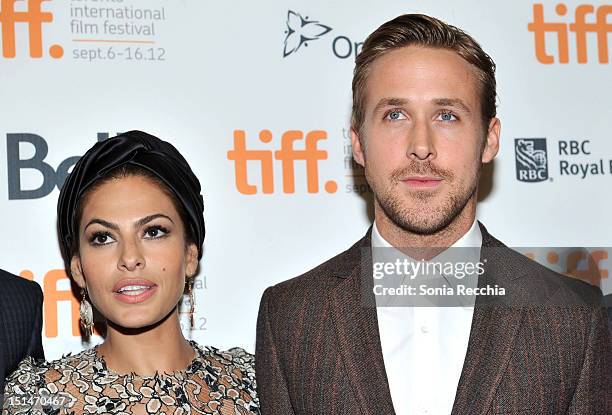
139	320
135	322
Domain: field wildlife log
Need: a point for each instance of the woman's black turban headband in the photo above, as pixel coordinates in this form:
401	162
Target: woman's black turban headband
134	148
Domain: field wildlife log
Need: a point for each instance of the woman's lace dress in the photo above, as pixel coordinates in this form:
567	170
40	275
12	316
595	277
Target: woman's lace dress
215	382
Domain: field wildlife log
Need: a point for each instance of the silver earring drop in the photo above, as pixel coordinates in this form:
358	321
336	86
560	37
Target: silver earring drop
86	313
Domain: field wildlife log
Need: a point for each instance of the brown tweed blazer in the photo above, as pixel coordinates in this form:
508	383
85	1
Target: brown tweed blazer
318	348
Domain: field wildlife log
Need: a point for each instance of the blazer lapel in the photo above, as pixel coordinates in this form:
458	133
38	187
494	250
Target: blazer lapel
356	324
494	327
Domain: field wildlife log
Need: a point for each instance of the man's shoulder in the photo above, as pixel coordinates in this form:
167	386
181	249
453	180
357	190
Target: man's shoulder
326	274
537	281
14	288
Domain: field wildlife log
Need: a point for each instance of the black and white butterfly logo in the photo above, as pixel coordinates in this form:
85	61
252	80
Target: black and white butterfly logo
300	30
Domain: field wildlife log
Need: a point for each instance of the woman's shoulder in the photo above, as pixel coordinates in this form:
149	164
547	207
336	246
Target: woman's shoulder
36	382
232	359
233	368
235	356
32	372
28	373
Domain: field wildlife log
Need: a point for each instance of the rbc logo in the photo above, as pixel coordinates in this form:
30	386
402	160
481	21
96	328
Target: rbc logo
531	159
34	17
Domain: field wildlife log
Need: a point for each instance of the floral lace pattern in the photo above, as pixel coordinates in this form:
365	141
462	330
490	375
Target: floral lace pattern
215	382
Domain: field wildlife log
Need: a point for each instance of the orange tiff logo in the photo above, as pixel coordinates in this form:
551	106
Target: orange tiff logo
598	25
287	156
34	17
53	296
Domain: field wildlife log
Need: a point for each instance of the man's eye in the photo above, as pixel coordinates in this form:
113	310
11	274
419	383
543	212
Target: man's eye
395	115
155	232
447	116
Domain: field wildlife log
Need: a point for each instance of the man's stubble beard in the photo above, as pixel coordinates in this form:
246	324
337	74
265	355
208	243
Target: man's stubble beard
421	218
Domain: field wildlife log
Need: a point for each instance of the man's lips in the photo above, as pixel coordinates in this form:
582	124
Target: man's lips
422	182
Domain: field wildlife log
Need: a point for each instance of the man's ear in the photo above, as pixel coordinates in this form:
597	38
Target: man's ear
191	260
77	271
357	149
491	146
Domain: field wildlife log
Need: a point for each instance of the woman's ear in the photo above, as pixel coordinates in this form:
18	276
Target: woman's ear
77	271
191	260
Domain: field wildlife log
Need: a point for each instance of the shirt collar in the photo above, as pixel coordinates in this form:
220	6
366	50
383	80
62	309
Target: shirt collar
472	238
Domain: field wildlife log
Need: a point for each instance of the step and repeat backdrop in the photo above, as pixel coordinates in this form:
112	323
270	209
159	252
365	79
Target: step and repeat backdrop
225	82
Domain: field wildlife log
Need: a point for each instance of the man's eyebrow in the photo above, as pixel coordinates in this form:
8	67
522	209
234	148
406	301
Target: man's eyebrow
138	223
400	102
452	102
390	102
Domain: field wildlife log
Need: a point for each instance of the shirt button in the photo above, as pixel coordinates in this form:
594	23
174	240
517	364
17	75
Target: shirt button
425	329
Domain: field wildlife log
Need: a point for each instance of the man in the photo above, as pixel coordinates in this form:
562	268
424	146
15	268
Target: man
424	121
20	323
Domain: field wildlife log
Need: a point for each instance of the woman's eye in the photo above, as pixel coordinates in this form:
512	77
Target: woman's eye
101	238
395	115
155	232
447	116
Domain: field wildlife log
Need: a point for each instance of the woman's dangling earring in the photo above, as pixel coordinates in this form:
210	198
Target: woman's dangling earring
191	301
86	312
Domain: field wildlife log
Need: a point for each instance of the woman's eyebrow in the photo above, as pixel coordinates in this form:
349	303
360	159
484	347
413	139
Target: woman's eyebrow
102	222
149	218
138	223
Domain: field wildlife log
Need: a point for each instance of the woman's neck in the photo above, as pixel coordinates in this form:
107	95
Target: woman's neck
159	348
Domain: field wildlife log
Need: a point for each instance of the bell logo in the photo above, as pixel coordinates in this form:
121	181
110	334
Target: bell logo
287	156
34	17
580	27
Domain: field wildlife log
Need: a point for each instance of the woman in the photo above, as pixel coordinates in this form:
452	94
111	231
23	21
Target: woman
131	227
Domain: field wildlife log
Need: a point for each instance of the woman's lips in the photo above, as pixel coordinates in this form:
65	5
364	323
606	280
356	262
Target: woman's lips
132	291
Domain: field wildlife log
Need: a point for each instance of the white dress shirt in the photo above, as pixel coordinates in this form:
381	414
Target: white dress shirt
424	347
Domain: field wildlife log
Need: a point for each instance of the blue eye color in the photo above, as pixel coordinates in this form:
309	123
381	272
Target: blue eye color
447	116
394	115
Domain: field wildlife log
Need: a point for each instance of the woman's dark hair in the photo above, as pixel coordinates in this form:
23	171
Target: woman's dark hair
134	153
